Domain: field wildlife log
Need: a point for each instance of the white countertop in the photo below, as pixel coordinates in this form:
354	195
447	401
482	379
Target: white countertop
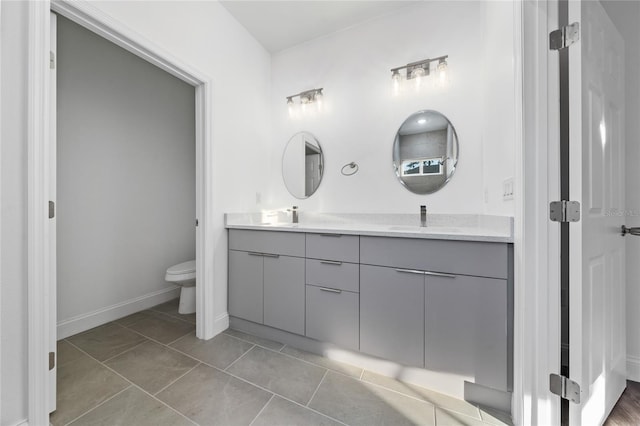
463	227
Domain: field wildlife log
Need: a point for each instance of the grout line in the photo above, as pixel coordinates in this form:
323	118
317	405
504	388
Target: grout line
238	359
190	370
102	403
362	374
278	395
262	409
282	349
317	387
181	337
131	383
124	352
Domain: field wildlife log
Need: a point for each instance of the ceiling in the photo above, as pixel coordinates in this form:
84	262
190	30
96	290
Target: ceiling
278	25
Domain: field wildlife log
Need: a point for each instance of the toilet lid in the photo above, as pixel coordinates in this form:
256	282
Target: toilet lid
182	268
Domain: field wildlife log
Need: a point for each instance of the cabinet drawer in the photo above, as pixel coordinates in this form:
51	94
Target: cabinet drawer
333	274
332	316
334	247
286	243
455	257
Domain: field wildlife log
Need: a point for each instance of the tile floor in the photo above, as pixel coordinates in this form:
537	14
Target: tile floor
149	369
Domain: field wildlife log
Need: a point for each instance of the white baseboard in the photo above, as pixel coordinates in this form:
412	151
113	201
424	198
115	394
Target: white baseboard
87	321
22	423
633	368
221	324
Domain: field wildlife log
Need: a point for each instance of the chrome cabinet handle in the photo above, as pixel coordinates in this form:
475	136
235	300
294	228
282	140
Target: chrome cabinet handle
330	235
632	231
410	271
330	290
252	253
331	262
439	274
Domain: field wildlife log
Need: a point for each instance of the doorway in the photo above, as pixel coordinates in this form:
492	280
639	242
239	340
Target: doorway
41	300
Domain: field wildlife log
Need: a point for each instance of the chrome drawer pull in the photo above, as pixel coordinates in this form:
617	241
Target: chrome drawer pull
255	254
439	274
330	235
271	255
410	271
331	262
330	290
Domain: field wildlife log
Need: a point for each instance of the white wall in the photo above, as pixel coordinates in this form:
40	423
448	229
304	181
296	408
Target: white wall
13	314
361	116
626	16
126	175
202	34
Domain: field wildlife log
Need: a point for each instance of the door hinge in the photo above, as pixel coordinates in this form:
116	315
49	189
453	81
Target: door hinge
564	387
52	360
197	222
52	209
564	211
564	37
52	60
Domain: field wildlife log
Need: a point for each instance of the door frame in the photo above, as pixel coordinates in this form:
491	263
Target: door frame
537	304
38	238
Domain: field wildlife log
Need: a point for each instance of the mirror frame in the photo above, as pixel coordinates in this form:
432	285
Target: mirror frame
396	163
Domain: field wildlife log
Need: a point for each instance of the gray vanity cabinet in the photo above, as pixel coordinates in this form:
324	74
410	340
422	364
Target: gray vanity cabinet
466	328
266	278
245	285
392	314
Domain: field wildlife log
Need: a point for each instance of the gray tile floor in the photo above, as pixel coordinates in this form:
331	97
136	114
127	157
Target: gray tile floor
150	369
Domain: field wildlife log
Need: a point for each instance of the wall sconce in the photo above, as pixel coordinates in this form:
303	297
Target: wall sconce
307	97
418	71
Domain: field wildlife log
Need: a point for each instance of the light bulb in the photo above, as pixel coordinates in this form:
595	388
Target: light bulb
396	80
418	74
291	106
442	72
319	99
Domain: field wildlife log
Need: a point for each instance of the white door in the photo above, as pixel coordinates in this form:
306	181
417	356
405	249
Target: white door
597	346
53	315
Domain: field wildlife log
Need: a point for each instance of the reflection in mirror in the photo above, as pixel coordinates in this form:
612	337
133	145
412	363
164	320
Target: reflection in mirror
302	165
425	152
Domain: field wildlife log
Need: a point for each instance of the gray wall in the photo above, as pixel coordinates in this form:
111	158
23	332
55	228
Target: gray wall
13	186
126	173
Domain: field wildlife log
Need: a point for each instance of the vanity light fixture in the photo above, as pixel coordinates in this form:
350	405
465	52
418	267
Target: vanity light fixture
419	70
306	97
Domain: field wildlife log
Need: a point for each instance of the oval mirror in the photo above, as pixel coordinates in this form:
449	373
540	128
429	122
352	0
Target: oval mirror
302	165
425	152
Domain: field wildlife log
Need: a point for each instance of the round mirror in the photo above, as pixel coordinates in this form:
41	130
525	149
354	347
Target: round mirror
425	152
302	165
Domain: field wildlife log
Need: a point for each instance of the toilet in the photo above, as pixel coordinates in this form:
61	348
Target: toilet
184	275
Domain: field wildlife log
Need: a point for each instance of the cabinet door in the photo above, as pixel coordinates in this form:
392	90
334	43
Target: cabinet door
284	293
466	328
245	286
392	314
332	316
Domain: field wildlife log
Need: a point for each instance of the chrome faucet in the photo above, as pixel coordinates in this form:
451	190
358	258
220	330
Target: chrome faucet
423	216
294	214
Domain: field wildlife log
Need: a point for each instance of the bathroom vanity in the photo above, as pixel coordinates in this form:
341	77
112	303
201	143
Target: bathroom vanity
439	298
